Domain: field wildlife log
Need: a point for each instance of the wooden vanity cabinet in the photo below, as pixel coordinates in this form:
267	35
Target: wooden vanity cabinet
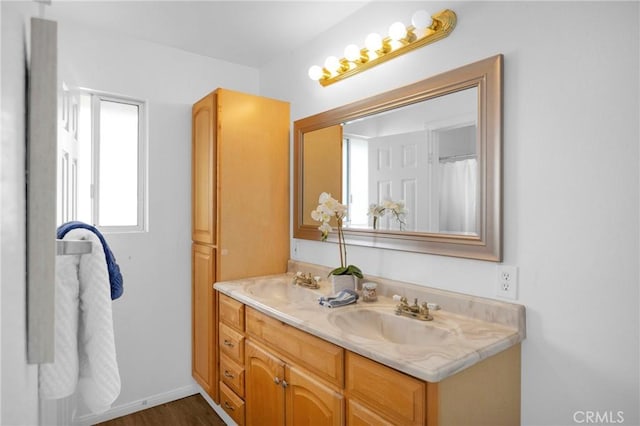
290	377
240	207
280	387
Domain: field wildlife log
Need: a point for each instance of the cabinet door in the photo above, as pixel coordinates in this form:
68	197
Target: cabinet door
264	393
253	186
395	395
203	319
203	169
310	402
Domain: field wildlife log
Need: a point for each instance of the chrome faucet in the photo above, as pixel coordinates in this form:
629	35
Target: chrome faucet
420	312
306	280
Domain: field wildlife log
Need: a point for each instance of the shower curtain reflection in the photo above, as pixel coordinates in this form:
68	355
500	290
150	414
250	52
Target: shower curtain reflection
458	189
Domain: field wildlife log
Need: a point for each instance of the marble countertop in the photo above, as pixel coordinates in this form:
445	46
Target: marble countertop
431	351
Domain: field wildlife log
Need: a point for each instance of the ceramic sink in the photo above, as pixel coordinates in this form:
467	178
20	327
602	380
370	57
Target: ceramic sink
380	325
280	290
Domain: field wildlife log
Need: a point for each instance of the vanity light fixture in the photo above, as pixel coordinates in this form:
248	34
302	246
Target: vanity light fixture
424	29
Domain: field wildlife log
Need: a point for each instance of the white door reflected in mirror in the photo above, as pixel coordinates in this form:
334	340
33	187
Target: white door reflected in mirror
414	168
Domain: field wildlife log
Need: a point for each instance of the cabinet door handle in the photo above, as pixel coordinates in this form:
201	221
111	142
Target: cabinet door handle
228	343
228	407
284	384
227	374
276	380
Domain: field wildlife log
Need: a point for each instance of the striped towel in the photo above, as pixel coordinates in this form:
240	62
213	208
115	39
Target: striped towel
342	298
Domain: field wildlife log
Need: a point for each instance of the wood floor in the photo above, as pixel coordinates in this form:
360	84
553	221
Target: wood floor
190	411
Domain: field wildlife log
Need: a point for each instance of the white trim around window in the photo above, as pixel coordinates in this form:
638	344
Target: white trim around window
140	215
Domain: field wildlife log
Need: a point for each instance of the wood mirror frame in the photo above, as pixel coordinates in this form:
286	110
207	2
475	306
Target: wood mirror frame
486	76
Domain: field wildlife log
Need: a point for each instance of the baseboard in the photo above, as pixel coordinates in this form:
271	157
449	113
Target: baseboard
141	404
218	409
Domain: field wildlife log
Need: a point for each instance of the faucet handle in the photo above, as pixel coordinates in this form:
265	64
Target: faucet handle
424	308
398	298
433	306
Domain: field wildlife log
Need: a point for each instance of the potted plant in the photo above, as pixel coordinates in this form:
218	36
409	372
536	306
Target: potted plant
345	276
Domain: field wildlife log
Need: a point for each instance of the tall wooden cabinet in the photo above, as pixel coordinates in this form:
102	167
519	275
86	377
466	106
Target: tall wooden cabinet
240	206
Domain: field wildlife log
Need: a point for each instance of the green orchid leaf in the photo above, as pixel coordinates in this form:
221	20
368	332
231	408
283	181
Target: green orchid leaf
354	270
342	270
347	270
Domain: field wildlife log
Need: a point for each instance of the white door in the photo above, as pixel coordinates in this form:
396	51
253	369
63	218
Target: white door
398	171
68	102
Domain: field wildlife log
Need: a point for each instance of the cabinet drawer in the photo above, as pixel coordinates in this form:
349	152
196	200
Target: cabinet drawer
232	374
231	343
231	312
232	404
322	358
359	415
396	396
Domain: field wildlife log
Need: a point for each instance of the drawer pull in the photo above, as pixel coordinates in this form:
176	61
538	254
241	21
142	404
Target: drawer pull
276	380
228	407
229	343
227	374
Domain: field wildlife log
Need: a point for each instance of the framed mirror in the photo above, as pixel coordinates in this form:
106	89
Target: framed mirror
419	168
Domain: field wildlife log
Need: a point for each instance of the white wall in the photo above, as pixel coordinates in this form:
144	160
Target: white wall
571	191
19	380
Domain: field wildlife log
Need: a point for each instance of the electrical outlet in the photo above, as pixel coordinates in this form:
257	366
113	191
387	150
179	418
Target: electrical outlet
507	281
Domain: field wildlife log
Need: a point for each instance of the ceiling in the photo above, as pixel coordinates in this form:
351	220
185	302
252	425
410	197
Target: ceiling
249	33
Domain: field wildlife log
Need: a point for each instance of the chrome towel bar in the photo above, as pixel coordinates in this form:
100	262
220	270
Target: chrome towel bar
68	247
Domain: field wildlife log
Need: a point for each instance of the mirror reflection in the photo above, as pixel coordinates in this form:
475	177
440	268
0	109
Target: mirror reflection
413	168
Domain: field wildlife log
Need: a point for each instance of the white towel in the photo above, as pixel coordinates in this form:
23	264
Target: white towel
85	352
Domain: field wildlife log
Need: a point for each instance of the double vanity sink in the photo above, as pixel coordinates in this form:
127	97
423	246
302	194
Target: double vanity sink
465	331
369	321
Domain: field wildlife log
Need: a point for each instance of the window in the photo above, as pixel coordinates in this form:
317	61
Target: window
111	166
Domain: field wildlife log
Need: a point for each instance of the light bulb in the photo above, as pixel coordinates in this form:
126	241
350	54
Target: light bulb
332	63
421	19
315	72
397	31
373	42
352	52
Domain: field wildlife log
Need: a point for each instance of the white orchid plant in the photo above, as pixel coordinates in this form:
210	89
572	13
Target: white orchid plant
329	208
394	208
